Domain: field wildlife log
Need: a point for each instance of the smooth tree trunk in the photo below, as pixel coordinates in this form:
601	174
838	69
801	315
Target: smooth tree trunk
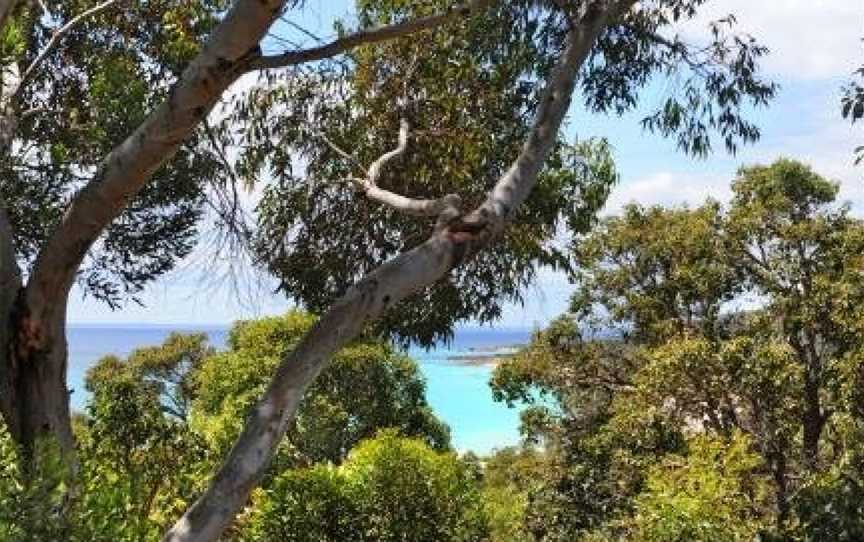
33	393
455	239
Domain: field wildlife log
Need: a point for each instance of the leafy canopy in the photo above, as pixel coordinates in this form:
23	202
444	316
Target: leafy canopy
738	327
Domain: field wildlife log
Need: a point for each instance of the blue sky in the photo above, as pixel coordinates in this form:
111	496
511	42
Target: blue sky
815	45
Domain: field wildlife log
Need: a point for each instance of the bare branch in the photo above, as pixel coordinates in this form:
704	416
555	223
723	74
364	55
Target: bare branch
413	206
58	36
403	204
374	172
514	186
363	37
387	285
369	184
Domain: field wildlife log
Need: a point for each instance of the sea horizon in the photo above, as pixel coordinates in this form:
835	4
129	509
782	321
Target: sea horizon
457	391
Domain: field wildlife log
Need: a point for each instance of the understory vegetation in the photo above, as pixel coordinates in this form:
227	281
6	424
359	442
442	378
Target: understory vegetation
705	385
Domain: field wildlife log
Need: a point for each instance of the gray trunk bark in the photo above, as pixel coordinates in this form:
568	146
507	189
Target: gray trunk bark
34	400
33	394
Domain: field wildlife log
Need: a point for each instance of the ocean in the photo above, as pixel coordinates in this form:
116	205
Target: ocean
458	392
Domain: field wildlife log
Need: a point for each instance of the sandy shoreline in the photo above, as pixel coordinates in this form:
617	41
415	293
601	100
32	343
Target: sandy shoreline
487	356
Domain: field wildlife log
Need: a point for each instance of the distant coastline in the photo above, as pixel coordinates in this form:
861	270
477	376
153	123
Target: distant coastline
457	390
487	356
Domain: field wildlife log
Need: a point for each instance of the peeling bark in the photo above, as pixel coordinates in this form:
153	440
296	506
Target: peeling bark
35	374
33	382
450	245
33	394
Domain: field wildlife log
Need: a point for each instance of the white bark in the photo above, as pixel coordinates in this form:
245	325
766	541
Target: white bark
231	51
36	399
224	58
410	206
411	271
41	402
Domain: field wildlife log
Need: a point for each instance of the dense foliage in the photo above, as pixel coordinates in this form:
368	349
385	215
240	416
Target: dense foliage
159	421
389	489
469	95
708	370
76	84
74	107
367	386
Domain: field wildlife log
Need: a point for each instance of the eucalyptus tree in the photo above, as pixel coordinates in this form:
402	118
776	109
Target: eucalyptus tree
114	141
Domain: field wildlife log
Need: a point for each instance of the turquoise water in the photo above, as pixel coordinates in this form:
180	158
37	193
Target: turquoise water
459	393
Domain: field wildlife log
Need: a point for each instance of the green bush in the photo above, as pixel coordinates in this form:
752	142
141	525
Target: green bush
390	488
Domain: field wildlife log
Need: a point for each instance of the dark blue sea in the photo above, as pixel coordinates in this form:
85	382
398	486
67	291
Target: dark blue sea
458	392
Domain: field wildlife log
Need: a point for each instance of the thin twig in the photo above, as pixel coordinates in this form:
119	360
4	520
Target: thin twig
57	38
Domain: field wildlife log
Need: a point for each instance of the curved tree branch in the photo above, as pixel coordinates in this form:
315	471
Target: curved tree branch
390	283
403	204
232	51
363	37
374	172
448	204
127	168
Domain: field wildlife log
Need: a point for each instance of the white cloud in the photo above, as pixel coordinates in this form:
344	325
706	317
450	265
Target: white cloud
668	189
809	39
